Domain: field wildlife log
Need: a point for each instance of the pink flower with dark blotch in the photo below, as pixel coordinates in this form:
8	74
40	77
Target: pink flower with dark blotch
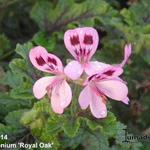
56	87
106	83
103	79
102	85
82	44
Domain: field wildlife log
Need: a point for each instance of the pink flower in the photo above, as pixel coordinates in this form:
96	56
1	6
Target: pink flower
56	87
104	84
82	44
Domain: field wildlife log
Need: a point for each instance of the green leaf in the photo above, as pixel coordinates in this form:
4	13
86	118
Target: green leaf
11	80
18	66
110	125
42	106
50	131
13	118
71	127
128	16
23	50
8	104
73	142
46	137
4	129
40	110
37	126
53	18
13	128
19	80
48	42
92	124
54	125
120	136
146	56
95	141
4	44
23	91
29	117
40	11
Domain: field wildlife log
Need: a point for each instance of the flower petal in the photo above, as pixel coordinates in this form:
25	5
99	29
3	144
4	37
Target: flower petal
126	100
127	53
81	42
84	98
73	70
56	107
107	73
45	61
61	96
98	106
114	89
111	71
40	86
94	67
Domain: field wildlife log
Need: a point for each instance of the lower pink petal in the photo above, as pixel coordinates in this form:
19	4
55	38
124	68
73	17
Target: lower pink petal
98	106
40	86
56	107
114	89
73	70
65	94
61	96
84	97
94	67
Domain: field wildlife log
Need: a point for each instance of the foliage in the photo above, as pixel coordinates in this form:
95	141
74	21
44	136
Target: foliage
23	118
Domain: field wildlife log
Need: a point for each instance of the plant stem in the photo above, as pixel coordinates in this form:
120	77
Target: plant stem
74	104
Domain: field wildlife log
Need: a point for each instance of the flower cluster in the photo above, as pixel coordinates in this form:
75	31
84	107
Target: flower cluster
102	80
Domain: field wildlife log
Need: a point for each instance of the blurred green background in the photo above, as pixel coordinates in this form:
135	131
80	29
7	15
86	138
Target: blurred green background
27	23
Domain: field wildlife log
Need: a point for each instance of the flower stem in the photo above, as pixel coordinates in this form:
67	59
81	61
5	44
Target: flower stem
74	104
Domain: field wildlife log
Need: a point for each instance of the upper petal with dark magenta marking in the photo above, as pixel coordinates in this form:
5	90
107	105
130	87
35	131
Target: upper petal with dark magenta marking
52	60
40	61
88	39
81	43
74	40
44	61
